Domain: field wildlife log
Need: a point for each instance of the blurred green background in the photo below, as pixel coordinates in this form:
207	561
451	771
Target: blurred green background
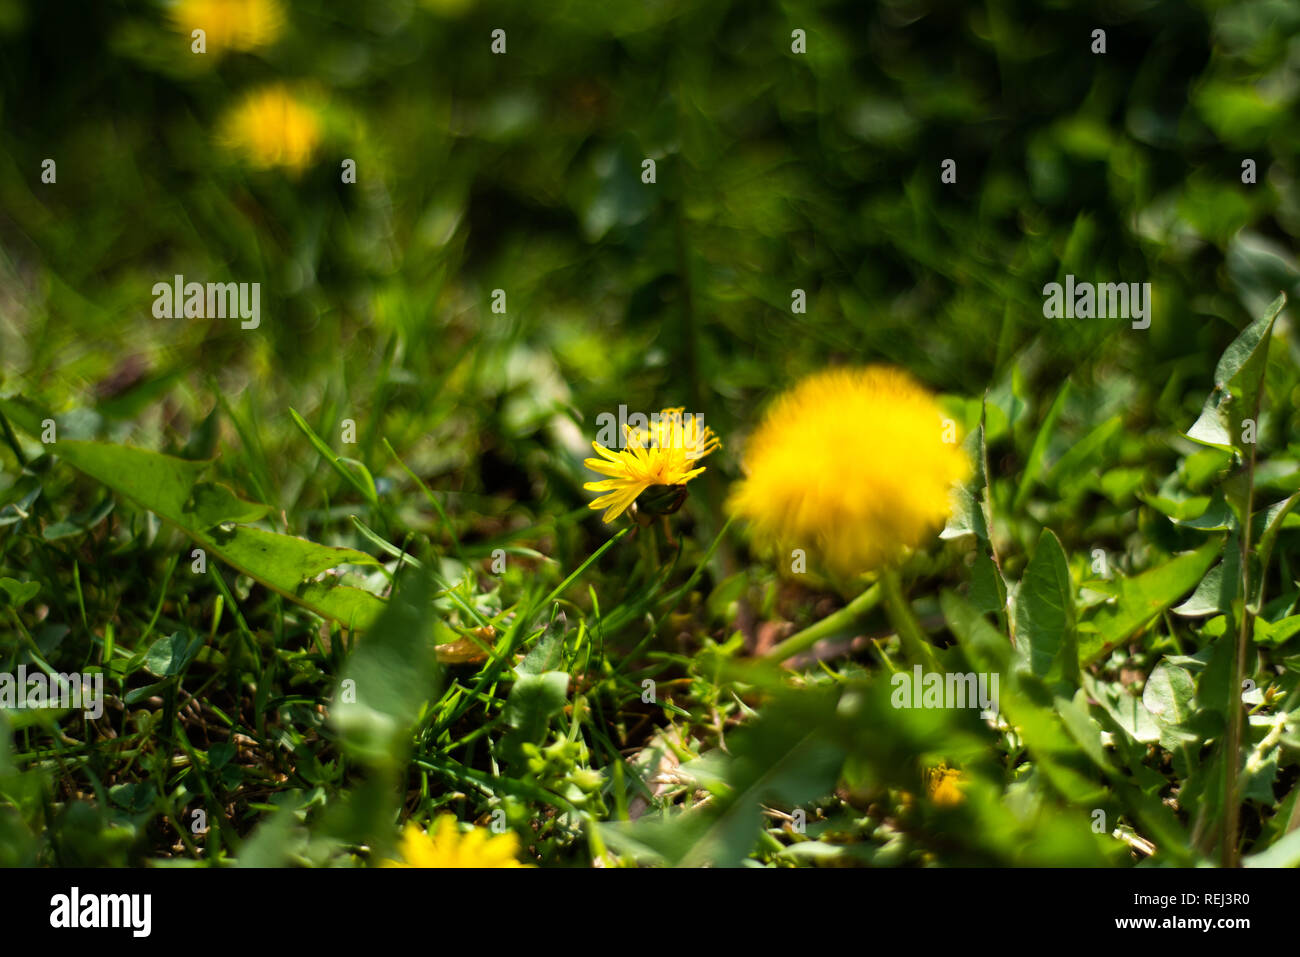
522	171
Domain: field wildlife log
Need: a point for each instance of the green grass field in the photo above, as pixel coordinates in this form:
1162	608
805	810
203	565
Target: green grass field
330	561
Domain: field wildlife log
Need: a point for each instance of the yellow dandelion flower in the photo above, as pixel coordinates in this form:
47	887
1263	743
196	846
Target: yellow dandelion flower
661	456
230	24
851	464
270	127
944	786
447	847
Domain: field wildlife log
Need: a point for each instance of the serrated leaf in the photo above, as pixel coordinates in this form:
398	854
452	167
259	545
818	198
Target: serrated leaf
170	488
1238	378
533	701
1140	600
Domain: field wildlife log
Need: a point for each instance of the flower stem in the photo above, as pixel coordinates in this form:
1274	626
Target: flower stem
915	645
1232	804
828	626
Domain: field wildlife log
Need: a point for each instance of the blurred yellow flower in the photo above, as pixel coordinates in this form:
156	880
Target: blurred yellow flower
230	24
447	847
662	454
270	127
944	786
856	465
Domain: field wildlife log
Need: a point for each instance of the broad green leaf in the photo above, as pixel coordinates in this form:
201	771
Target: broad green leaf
1045	614
1284	853
169	656
1056	753
805	771
654	840
1260	771
547	654
966	518
213	504
786	757
1237	381
170	488
1205	466
24	413
1140	600
1259	267
1219	588
1127	710
18	593
968	515
1275	518
984	646
1170	695
1214	682
1084	730
1217	517
1180	507
1276	633
273	842
988	592
390	676
533	701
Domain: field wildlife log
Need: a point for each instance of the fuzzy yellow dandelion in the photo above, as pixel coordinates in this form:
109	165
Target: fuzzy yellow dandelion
271	127
854	465
447	847
664	454
230	24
